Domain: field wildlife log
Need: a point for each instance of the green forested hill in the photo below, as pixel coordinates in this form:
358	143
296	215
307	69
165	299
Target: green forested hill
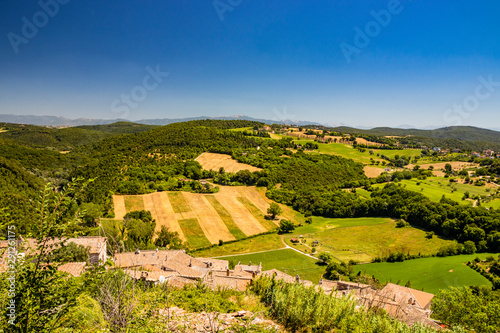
121	127
19	191
65	139
462	137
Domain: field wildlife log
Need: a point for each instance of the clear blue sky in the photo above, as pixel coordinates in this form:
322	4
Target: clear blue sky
265	59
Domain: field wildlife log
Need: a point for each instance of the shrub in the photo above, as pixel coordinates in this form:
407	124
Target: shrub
401	223
286	226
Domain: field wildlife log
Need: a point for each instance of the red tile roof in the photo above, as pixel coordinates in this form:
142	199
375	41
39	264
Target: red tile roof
404	294
228	282
73	268
152	276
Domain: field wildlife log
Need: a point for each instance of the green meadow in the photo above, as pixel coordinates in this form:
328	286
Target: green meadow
286	260
363	239
255	244
429	274
347	151
435	187
320	224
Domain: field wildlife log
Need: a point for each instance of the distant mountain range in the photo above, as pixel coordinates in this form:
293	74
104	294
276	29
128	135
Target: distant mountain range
62	121
462	133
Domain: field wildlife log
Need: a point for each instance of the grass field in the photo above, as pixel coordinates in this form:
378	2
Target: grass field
285	260
193	232
348	151
256	244
363	193
435	187
492	204
364	239
431	274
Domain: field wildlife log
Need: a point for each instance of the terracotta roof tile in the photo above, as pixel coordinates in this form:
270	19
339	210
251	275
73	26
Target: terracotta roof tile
228	282
215	264
179	281
152	276
132	259
405	294
95	244
185	271
73	268
279	275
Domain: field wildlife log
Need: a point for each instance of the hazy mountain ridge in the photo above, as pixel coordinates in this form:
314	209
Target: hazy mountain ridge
62	121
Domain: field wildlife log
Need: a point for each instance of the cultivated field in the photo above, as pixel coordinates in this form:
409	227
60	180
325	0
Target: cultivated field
372	172
455	165
431	274
204	219
212	161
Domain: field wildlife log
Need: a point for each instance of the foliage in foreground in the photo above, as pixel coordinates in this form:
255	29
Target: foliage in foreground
475	308
303	309
40	295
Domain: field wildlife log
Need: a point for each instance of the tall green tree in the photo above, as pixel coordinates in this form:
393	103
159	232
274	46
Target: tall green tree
274	210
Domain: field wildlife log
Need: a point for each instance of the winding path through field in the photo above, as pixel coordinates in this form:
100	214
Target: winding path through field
289	247
282	248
